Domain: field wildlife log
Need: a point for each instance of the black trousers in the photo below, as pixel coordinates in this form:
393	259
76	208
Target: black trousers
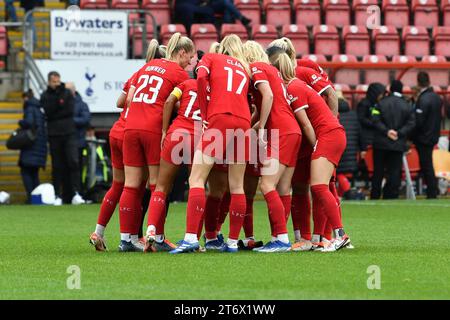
30	178
65	163
427	169
391	162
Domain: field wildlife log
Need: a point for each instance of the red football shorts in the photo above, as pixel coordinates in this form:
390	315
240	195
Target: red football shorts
330	145
116	152
179	146
226	139
286	150
141	148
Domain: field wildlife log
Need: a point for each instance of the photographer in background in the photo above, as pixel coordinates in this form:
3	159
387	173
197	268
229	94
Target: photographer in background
34	157
58	104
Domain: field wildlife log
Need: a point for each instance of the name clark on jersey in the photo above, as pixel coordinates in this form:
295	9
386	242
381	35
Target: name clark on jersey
235	63
156	69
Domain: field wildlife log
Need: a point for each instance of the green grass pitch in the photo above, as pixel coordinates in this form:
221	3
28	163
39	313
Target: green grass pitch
408	241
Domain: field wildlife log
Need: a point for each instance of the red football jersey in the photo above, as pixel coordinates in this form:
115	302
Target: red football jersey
302	96
229	83
281	116
308	63
189	110
313	78
118	128
153	82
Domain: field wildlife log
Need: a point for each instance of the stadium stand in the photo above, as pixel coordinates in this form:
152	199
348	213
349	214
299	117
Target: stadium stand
137	35
409	77
387	41
445	9
319	58
347	76
416	40
307	12
441	37
278	12
203	35
326	40
125	4
94	4
437	76
376	75
396	13
250	9
356	40
426	13
237	29
337	12
299	37
345	88
360	10
264	34
168	30
160	9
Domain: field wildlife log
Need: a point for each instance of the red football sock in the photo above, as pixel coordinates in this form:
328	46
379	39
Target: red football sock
211	216
128	210
328	233
286	200
109	203
344	184
323	195
248	220
237	215
301	214
224	209
157	211
276	212
195	209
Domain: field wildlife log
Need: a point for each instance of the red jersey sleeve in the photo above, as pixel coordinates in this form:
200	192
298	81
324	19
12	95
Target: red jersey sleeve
205	63
297	96
259	74
313	79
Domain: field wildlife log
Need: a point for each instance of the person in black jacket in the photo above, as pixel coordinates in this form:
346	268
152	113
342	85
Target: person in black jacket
375	92
428	124
34	157
393	120
81	116
355	145
58	104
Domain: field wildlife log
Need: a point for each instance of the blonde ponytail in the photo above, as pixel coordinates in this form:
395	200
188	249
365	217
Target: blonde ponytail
283	63
214	47
155	51
287	45
176	43
231	45
254	52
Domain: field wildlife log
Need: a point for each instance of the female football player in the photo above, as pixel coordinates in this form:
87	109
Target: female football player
228	116
142	139
329	146
116	133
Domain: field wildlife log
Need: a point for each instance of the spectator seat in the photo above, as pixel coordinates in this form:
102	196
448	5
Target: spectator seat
203	35
326	40
441	36
337	12
278	12
299	37
426	13
94	4
238	29
307	12
168	30
376	75
396	13
250	9
346	75
387	41
357	40
160	9
416	40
